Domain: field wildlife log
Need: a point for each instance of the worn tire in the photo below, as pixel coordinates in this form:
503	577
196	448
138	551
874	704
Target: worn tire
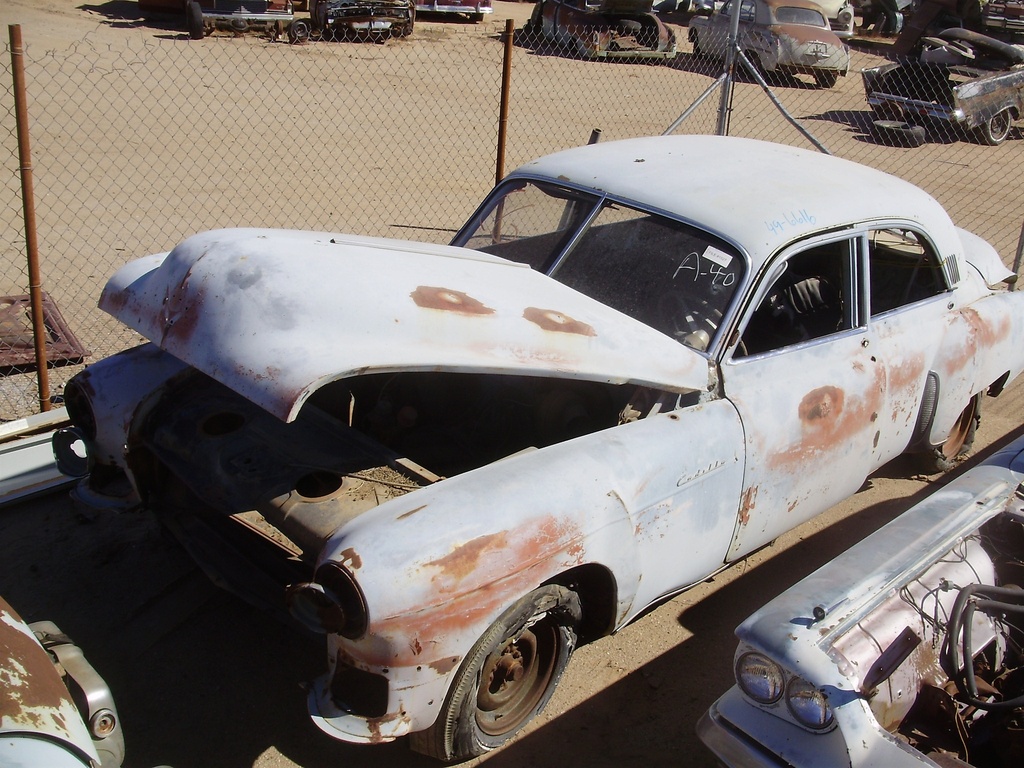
318	14
407	28
507	678
194	21
944	457
994	130
896	133
298	31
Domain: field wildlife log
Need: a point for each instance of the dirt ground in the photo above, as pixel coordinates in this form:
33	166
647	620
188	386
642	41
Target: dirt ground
202	679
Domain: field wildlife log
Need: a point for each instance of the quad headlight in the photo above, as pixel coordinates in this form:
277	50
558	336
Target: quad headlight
808	705
766	683
759	677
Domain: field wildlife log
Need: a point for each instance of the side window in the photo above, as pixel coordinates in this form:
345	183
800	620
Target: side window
812	298
746	10
903	269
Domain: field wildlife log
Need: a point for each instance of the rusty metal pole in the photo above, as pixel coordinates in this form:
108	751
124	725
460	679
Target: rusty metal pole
28	203
506	80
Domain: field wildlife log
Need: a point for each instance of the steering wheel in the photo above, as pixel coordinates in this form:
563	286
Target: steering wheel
686	318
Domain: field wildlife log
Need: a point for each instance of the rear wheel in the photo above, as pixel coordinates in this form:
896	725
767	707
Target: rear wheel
960	441
994	130
507	677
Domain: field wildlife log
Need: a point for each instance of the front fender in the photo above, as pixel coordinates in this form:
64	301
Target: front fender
438	565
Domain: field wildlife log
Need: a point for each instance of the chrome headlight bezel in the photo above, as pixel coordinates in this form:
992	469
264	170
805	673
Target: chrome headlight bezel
760	678
808	705
771	687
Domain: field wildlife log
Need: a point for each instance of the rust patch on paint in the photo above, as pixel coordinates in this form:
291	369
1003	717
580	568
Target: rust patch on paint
980	334
552	320
748	502
445	665
465	559
822	404
474	583
183	311
34	698
907	375
411	512
351	559
448	300
831	423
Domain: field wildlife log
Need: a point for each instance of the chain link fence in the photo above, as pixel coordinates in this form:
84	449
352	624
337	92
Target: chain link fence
142	138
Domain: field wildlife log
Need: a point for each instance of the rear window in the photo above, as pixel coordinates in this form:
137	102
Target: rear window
788	15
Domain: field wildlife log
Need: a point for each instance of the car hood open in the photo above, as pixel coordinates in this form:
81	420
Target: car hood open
277	314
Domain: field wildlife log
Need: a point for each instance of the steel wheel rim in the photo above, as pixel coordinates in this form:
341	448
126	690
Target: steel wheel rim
514	678
999	127
958	436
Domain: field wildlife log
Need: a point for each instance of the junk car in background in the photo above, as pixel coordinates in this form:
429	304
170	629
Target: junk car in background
962	82
839	13
276	17
472	458
608	29
907	650
363	19
57	710
777	36
474	9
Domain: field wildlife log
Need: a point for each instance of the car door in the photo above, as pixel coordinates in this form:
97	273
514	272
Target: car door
804	375
909	307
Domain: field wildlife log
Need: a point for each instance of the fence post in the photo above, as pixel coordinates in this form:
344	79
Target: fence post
28	205
506	80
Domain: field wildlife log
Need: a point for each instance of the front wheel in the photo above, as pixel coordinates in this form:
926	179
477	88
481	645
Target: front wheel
507	677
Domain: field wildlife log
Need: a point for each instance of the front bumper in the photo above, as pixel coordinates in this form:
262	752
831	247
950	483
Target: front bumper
408	699
732	746
744	736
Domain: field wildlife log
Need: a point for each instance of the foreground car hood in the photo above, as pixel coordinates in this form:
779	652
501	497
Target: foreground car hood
853	584
275	315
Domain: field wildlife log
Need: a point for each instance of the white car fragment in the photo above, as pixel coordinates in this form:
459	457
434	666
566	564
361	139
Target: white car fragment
903	651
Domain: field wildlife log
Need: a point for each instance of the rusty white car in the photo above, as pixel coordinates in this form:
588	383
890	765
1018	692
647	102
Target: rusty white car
638	362
57	711
904	651
777	37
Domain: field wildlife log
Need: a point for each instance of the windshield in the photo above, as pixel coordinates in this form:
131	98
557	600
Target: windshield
672	276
